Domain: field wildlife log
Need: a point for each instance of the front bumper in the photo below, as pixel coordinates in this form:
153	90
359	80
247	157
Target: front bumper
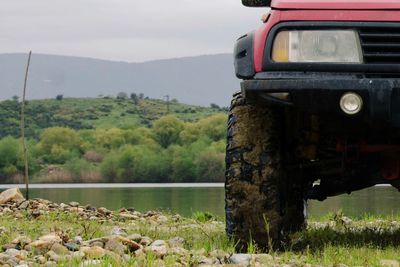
321	93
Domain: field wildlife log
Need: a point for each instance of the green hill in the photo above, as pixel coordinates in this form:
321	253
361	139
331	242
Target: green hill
94	113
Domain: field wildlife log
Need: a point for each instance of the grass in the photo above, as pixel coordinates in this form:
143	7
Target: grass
327	242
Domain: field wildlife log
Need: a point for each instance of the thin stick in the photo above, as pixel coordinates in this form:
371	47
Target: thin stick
26	176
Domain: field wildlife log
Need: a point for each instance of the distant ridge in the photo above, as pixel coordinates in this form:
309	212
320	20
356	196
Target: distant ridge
199	80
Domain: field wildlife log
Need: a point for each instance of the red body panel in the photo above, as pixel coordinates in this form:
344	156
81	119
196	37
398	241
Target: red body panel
318	15
336	4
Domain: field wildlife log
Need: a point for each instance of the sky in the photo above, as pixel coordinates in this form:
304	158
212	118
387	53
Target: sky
124	30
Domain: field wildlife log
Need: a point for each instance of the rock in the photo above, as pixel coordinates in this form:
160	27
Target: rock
40	259
135	237
93	252
12	194
12	252
59	249
128	216
118	231
132	245
78	255
158	247
158	243
97	243
389	263
23	205
21	241
176	242
52	238
72	246
145	241
104	211
74	204
242	259
115	246
78	239
206	261
53	256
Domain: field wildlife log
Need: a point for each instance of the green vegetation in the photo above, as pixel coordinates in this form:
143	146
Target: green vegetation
364	242
114	140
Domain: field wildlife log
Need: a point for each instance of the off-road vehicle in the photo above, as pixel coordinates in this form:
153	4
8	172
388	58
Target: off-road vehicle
318	114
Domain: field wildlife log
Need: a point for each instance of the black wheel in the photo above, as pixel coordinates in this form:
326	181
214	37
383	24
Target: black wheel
263	201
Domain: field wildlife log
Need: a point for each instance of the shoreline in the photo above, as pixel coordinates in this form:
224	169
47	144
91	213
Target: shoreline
115	185
124	185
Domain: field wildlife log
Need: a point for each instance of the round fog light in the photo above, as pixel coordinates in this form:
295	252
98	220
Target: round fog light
351	103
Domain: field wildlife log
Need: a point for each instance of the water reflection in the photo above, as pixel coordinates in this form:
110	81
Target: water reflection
375	201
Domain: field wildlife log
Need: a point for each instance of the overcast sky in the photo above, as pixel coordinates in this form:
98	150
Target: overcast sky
124	30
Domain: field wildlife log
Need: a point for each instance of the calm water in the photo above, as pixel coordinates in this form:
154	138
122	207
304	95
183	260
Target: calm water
185	200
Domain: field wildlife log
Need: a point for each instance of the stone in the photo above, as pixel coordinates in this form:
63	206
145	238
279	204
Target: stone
242	259
132	245
158	247
24	205
74	204
389	263
12	194
53	256
115	246
52	238
97	244
145	241
135	237
77	255
206	261
104	211
72	246
118	231
40	259
78	239
93	252
59	249
44	242
12	252
176	242
21	240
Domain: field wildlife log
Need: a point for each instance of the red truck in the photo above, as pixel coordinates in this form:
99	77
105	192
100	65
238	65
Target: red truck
318	114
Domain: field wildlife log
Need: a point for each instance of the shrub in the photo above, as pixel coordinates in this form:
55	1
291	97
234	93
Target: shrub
167	129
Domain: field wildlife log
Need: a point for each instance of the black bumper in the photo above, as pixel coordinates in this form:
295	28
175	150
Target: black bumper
322	93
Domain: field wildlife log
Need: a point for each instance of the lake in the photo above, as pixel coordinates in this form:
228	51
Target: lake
188	198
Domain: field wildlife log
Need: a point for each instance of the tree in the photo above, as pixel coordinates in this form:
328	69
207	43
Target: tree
135	98
122	95
167	129
214	106
58	144
59	97
15	98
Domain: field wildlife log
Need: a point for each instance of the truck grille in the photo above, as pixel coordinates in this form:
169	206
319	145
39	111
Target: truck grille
380	45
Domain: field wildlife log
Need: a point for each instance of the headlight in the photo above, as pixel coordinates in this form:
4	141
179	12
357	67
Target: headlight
330	46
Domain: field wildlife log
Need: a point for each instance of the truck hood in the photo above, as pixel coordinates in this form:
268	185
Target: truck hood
336	4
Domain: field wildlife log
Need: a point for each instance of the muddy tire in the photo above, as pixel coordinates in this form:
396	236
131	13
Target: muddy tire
262	202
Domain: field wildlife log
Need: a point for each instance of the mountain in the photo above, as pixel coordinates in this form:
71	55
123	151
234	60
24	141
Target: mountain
197	80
